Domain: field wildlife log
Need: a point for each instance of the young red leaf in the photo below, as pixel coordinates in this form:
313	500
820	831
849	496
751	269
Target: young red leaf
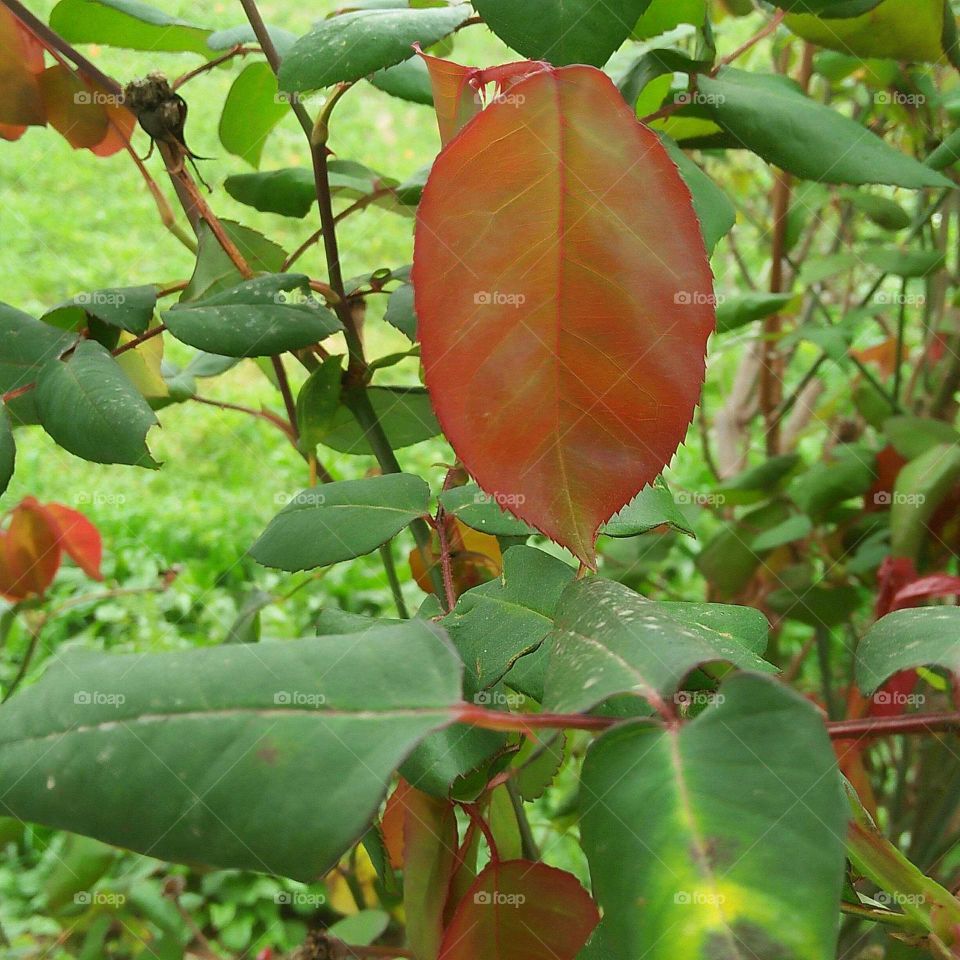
520	910
31	552
79	537
564	302
454	98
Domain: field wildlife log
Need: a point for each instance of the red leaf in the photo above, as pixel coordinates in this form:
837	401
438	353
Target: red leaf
520	910
31	552
79	537
564	301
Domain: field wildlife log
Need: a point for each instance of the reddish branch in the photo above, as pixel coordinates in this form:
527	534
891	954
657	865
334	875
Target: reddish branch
866	728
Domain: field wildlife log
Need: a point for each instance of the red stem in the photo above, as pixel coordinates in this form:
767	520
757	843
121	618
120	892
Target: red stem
477	818
914	723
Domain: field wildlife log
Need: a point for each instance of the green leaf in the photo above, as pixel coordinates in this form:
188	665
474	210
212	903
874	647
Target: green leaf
214	270
25	346
883	211
771	116
252	109
912	436
794	528
898	29
128	308
269	757
757	482
401	313
291	192
652	507
826	484
947	154
729	824
405	413
814	604
219	40
90	408
409	80
8	450
904	263
499	627
608	640
713	207
905	639
352	45
442	763
562	31
743	308
317	402
340	521
246	627
920	487
728	561
257	318
665	15
745	626
129	24
483	511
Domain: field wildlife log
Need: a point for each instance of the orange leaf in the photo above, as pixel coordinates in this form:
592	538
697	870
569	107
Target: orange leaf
391	826
520	910
71	107
564	302
455	99
31	552
21	60
79	537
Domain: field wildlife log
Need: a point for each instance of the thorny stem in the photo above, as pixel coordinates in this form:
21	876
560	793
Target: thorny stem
239	50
